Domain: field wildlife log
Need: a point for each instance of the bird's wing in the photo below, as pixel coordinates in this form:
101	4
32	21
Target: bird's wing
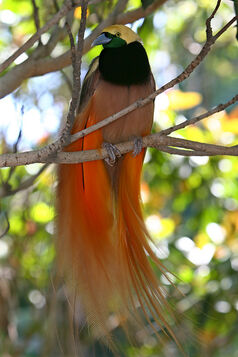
89	84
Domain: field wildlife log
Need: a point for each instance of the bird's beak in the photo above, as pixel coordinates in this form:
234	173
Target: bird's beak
101	40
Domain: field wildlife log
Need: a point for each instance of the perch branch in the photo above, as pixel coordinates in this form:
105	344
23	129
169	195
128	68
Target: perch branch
48	153
161	142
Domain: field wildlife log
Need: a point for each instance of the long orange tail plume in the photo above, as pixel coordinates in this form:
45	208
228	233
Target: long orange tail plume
103	246
103	240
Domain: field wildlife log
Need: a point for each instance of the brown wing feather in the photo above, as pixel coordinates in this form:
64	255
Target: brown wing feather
89	84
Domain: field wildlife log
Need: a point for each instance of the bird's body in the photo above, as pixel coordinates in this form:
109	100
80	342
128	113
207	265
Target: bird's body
102	239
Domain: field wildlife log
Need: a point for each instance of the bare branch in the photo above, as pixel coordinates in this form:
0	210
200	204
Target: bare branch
76	61
185	123
7	226
36	16
209	19
55	19
38	66
7	191
48	153
161	142
181	152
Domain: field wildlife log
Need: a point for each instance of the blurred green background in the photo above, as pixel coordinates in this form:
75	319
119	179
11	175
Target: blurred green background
190	204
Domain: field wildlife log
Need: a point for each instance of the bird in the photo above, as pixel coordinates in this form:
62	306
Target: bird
103	246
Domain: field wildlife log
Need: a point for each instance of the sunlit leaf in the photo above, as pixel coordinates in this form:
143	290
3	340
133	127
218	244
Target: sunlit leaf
194	133
201	240
16	224
160	227
185	273
42	213
179	100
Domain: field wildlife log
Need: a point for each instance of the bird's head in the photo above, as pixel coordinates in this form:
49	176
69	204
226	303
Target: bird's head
116	36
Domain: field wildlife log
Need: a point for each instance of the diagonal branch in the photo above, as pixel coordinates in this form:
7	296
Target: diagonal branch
141	102
2	234
185	123
8	191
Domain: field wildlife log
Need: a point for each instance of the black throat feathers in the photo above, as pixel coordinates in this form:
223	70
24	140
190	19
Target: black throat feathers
125	65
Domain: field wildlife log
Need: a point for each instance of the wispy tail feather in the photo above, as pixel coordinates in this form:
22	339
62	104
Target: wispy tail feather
103	243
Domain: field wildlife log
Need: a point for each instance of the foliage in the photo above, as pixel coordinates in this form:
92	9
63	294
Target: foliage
191	204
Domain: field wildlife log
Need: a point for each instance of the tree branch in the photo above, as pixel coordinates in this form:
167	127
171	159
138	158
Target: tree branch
76	61
165	143
159	140
141	102
35	66
2	234
8	191
36	16
29	43
185	123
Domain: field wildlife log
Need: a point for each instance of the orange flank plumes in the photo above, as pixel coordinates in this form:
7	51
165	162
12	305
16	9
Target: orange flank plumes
103	245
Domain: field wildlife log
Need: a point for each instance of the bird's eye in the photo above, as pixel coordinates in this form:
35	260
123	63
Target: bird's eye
118	34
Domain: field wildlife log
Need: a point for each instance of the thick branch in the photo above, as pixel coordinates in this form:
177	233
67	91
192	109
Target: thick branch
161	142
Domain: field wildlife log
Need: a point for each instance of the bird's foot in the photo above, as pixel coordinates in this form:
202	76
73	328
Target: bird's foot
138	145
113	153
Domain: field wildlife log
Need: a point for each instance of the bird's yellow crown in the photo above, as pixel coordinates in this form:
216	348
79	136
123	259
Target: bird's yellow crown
123	32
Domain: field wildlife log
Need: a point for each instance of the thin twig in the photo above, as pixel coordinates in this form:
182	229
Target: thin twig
29	43
209	19
36	17
76	61
181	152
7	227
194	120
7	191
